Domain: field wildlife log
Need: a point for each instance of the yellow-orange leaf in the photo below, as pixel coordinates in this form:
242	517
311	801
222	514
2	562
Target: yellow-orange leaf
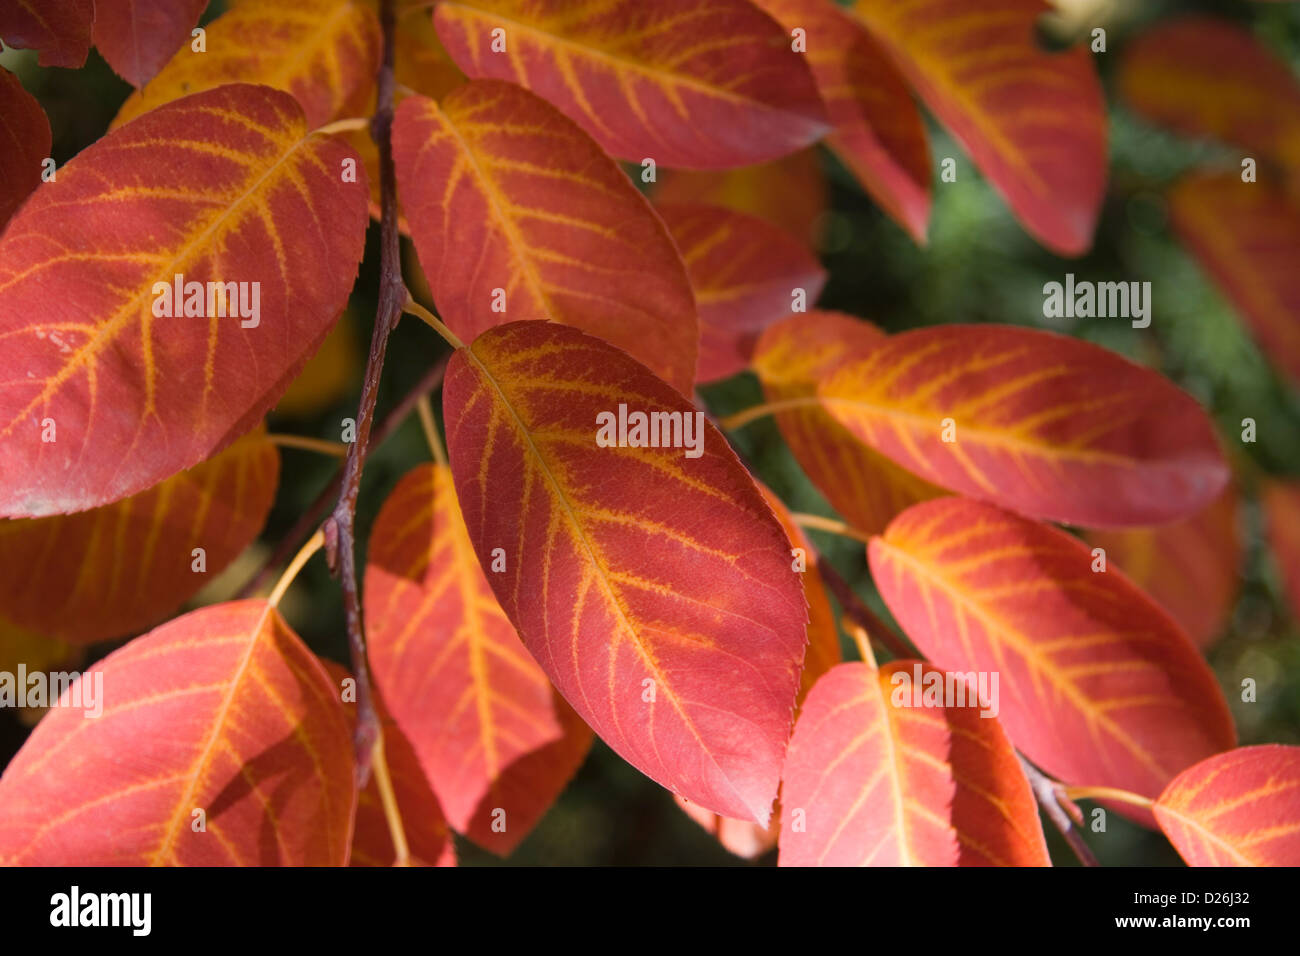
652	584
693	83
1241	808
324	52
221	717
517	214
1098	685
115	570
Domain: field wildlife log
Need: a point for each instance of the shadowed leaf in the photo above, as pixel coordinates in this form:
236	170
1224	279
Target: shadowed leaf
1281	501
24	144
137	37
60	29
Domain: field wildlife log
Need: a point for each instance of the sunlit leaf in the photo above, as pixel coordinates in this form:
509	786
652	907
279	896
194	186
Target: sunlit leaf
1048	425
1208	77
693	83
115	570
324	52
791	359
1241	808
746	274
496	741
871	779
1191	567
1281	501
517	214
137	37
653	584
221	742
60	29
106	397
1098	685
1245	235
1034	122
24	144
876	128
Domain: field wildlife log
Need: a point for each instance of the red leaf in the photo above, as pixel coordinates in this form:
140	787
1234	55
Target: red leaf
517	214
256	199
60	29
1033	122
654	589
492	734
1281	501
223	710
24	144
871	780
876	128
137	37
1047	425
1098	686
703	84
744	273
1241	808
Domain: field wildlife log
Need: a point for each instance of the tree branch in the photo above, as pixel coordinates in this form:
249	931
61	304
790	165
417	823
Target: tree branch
858	611
1053	801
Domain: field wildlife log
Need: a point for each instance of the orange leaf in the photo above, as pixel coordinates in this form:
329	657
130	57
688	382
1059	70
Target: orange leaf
137	37
876	128
872	779
1281	501
1192	568
24	144
60	29
1047	425
1098	685
324	52
1245	235
114	397
703	84
1033	122
116	570
1208	77
790	193
745	275
223	711
655	589
791	358
496	741
745	838
517	214
1241	808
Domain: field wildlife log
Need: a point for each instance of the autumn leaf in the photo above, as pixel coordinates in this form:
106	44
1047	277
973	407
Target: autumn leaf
655	589
1240	808
746	274
876	128
221	741
1192	568
1245	235
324	52
60	29
517	214
1044	424
1033	122
872	779
496	742
1207	77
1281	502
24	144
790	359
790	192
1098	685
137	37
114	394
115	570
702	84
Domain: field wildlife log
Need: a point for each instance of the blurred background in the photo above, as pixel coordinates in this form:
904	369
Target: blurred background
979	266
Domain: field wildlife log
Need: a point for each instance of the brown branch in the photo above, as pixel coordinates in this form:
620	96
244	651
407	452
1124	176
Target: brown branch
340	527
1057	807
858	611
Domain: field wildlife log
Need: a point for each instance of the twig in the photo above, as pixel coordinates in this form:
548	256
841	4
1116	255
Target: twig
1054	803
340	527
858	611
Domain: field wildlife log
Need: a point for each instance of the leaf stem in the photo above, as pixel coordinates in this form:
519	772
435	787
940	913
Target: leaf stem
343	126
425	408
388	797
337	449
805	520
1108	793
1056	805
863	640
420	312
856	610
314	544
755	412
